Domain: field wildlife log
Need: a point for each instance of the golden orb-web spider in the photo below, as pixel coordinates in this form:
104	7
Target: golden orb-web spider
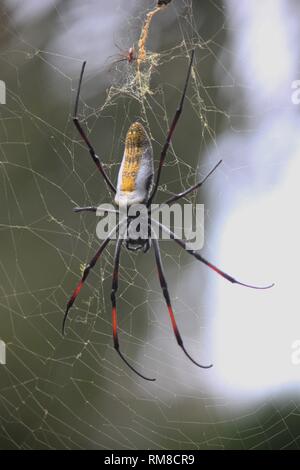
135	186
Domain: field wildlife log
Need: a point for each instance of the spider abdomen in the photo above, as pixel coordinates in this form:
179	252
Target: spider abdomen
136	172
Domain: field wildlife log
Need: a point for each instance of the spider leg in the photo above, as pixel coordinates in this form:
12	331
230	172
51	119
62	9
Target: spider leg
94	209
118	47
85	209
120	60
85	274
203	260
171	130
115	283
164	286
192	188
85	138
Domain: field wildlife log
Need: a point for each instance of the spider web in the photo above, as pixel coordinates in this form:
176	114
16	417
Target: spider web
74	392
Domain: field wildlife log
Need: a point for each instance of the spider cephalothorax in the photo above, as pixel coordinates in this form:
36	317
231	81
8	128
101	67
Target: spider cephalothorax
134	186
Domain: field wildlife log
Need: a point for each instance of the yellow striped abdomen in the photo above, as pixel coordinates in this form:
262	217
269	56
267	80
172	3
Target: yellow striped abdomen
134	147
136	172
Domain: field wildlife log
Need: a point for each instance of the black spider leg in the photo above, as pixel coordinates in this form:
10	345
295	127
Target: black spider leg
203	260
187	191
94	209
115	283
85	274
85	209
192	188
164	286
85	138
171	131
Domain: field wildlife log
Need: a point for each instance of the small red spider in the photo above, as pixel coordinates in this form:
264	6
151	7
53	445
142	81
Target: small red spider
129	56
